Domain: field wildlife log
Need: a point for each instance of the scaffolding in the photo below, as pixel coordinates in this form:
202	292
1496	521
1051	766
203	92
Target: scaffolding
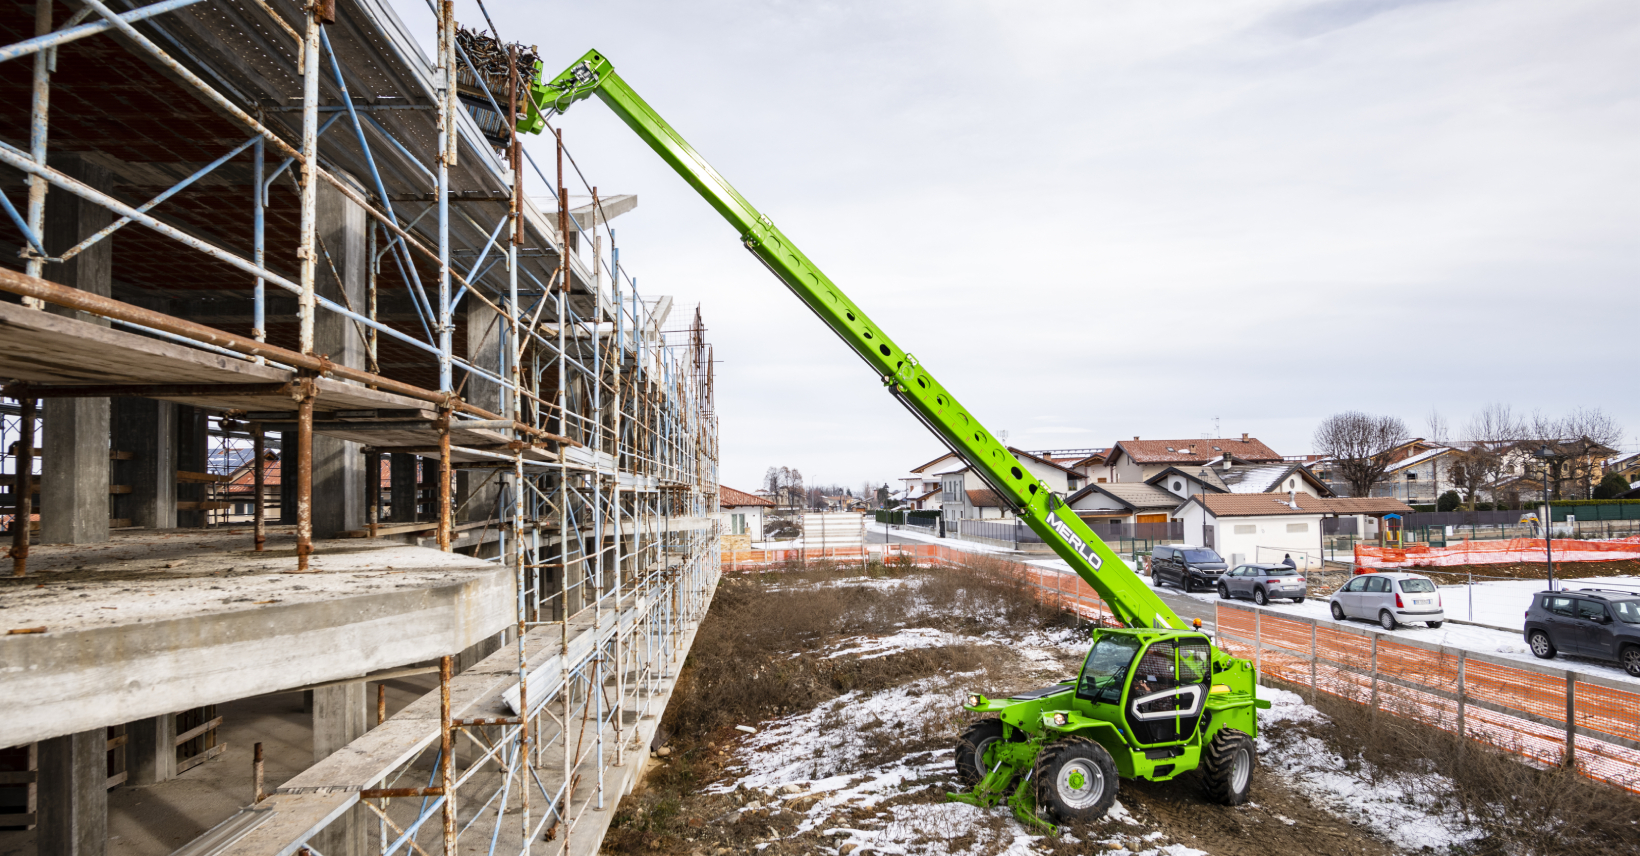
507	347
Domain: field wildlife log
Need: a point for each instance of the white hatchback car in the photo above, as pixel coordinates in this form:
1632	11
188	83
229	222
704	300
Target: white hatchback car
1389	598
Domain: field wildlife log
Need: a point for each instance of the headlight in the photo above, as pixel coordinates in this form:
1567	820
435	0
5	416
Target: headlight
1060	719
973	699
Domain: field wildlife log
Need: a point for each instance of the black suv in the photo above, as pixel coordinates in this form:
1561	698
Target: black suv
1598	623
1186	567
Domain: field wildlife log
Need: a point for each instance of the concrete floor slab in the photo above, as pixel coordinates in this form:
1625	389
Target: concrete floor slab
158	621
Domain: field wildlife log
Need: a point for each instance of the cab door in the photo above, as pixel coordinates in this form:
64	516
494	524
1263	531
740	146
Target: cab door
1168	690
1594	632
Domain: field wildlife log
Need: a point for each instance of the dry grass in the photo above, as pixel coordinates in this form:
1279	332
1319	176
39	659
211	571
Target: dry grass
1523	810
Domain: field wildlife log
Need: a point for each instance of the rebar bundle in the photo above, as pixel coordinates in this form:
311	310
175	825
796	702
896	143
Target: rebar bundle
489	56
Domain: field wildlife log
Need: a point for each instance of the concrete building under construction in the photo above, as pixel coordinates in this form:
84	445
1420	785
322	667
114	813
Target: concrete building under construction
357	502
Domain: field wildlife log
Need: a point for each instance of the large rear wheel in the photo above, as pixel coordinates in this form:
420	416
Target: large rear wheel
971	746
1075	780
1227	767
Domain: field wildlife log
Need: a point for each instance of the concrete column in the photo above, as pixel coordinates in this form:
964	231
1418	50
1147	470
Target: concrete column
147	429
476	652
74	490
193	453
287	477
339	719
151	750
483	351
403	474
338	465
73	789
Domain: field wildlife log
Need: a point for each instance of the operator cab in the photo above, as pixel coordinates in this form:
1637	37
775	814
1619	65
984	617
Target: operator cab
1156	684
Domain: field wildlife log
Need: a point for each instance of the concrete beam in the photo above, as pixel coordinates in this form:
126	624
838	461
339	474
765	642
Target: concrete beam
188	647
73	788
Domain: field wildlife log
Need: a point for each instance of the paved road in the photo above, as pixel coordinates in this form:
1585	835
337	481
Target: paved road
1186	607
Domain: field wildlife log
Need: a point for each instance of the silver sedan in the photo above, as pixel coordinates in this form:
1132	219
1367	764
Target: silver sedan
1263	583
1391	598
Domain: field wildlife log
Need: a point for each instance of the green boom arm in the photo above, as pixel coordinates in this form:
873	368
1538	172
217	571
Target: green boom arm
1133	602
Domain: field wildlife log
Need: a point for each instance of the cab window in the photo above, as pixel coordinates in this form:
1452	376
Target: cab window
1377	584
1104	673
1357	584
1417	586
1627	610
1559	605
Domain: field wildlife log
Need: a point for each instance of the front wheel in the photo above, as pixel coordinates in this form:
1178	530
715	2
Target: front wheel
971	747
1259	596
1337	611
1631	660
1227	767
1386	620
1075	780
1542	648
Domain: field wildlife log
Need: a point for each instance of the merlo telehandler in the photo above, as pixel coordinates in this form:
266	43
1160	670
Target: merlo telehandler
1154	699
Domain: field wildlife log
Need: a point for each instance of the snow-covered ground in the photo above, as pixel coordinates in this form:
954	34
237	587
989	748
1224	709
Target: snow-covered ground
1398	808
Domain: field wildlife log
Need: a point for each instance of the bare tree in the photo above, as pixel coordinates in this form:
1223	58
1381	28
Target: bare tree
1435	423
784	484
1359	445
1575	448
1484	457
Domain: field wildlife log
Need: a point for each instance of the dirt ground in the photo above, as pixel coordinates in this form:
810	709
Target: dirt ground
1534	570
768	653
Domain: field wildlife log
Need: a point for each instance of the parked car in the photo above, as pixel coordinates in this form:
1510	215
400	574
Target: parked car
1587	622
1263	582
1390	598
1185	566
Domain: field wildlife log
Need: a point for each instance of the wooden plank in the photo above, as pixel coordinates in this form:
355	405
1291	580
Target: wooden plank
115	780
120	456
197	730
19	777
194	478
120	489
118	741
17	821
396	529
190	763
191	505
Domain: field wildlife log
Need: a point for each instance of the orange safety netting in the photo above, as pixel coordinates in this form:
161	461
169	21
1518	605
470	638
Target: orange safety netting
1496	552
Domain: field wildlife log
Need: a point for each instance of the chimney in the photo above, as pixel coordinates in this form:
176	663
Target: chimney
1243	437
1135	436
1292	499
1227	463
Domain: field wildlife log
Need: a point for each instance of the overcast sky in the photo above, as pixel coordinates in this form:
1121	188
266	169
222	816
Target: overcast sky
1099	220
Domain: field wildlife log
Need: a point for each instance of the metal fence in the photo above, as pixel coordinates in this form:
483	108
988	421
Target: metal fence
1544	714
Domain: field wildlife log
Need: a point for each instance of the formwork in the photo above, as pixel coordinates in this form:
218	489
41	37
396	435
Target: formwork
562	430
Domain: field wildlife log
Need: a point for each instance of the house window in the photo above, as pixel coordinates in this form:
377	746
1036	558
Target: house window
1246	529
1290	483
1297	527
1101	481
737	524
1178	485
1412	476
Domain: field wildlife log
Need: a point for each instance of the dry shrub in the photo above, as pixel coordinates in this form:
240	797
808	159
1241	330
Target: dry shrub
1524	810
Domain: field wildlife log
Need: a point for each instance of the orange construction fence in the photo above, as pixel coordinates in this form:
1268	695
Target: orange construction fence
1547	715
1496	552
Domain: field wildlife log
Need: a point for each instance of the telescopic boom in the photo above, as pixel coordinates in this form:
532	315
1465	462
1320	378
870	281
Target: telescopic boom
1133	602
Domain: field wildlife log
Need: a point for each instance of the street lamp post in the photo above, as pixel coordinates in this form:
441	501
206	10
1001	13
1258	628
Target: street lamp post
1543	455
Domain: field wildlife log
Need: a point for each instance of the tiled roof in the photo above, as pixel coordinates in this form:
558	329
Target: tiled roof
1275	504
933	462
1420	458
728	497
984	497
1041	460
1095	458
1195	451
1136	496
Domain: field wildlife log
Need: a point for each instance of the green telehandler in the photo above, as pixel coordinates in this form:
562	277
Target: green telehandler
1154	699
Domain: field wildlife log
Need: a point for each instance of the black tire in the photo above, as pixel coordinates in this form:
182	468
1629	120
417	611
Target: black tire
1386	619
1075	780
1337	611
1542	647
1298	600
971	745
1224	591
1227	767
1259	597
1189	584
1434	625
1630	658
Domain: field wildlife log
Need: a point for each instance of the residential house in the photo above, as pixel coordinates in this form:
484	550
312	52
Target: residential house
1136	460
1261	527
1418	477
742	517
1126	510
963	494
921	480
1232	475
1079	461
1628	468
